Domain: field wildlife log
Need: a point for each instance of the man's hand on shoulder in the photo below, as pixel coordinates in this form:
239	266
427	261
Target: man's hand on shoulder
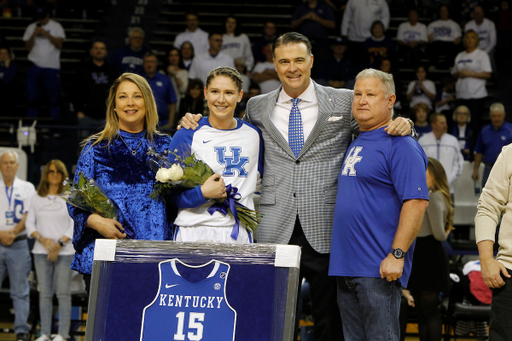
189	121
399	127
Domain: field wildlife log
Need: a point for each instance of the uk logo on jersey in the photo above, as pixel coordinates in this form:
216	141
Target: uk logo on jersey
233	162
351	160
99	78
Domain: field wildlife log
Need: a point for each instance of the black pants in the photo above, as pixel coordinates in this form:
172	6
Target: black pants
87	281
314	267
501	312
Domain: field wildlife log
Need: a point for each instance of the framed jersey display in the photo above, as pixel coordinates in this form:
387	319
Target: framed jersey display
151	290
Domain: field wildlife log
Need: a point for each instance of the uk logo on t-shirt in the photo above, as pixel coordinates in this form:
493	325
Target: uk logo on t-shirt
350	162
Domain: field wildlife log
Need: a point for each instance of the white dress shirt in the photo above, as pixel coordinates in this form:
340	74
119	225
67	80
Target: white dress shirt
308	107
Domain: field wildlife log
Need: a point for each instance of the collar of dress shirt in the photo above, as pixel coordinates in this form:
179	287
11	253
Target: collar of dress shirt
308	96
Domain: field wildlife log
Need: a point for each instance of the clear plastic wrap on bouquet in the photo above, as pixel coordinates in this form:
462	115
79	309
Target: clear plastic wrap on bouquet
87	195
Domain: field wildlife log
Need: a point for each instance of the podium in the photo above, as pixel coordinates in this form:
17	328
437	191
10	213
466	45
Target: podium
165	290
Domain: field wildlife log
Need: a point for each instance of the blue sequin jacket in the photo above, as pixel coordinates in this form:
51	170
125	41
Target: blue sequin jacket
128	181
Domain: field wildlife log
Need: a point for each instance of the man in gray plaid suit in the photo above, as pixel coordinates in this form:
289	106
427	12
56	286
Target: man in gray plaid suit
299	192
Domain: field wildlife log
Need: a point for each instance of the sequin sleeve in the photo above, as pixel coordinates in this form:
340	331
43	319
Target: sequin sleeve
85	164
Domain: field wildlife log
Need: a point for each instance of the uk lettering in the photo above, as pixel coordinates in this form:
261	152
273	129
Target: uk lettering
350	162
181	301
233	163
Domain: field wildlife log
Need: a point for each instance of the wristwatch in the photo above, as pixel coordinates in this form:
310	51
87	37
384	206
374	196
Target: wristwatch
61	243
398	253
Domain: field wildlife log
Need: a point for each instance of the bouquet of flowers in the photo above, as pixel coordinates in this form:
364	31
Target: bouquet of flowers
87	195
187	171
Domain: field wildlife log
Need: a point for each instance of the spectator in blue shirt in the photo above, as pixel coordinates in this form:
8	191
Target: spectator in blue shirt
163	90
420	114
337	70
260	44
8	72
313	19
492	138
377	47
129	58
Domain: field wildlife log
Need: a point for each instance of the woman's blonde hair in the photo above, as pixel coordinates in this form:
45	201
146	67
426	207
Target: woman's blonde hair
441	184
112	125
42	189
463	107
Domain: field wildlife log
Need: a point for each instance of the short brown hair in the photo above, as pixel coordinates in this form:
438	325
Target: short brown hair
434	116
419	106
225	71
291	38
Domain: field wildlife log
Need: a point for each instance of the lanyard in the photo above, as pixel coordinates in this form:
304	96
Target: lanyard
9	195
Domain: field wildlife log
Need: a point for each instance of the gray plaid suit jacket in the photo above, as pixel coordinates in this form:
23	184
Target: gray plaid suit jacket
305	186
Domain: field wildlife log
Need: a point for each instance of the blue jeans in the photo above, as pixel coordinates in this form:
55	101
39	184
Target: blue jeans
54	276
369	308
485	175
15	259
42	78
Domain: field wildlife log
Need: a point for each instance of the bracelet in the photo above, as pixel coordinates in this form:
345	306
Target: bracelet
38	237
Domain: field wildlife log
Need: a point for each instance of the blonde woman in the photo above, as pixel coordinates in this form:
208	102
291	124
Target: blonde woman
429	274
49	223
117	159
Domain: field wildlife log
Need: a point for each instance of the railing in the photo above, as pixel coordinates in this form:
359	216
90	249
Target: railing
52	142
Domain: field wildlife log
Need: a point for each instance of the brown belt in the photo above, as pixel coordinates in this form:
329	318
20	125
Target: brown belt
18	238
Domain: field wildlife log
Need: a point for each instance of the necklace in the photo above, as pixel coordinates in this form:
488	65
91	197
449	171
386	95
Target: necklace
134	151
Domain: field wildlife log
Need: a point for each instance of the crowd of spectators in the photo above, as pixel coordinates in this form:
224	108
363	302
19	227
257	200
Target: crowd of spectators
460	43
347	36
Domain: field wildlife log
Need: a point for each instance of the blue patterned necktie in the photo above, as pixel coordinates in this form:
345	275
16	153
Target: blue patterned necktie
295	131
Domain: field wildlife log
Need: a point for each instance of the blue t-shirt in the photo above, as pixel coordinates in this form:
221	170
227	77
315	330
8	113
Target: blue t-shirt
379	173
490	141
7	74
423	130
311	28
164	93
127	60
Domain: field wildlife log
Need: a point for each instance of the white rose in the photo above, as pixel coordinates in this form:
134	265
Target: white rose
163	175
176	173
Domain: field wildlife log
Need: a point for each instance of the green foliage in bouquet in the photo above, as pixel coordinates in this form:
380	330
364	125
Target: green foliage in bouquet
190	172
87	195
